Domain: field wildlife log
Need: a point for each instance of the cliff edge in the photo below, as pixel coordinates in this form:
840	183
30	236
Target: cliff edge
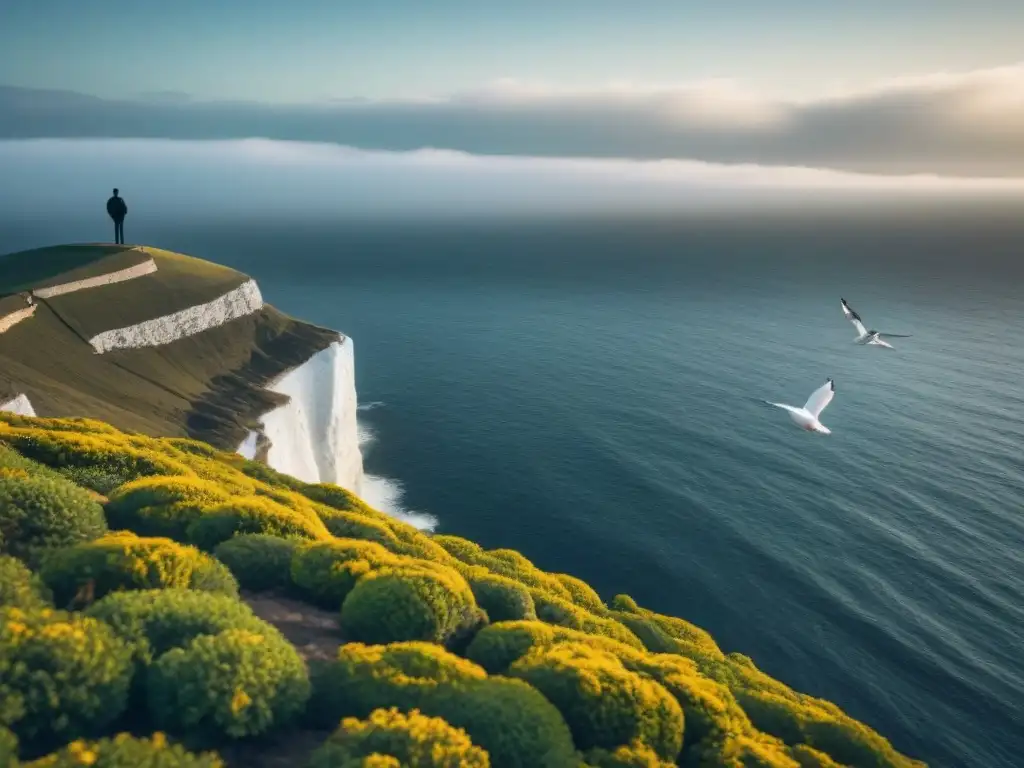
165	344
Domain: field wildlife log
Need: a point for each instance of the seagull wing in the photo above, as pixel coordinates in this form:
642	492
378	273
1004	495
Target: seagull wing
854	318
820	398
896	335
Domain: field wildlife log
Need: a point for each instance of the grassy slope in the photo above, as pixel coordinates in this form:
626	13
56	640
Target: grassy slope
208	386
40	266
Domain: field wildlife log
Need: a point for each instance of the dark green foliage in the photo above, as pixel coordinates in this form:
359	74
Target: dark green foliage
162	506
252	515
8	748
61	676
98	479
412	740
237	683
259	561
605	705
513	722
123	560
40	513
503	599
126	751
19	587
397	605
155	621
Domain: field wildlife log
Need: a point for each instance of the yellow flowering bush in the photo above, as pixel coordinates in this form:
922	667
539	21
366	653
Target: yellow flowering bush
61	676
40	513
414	740
156	621
162	506
503	599
564	613
127	751
605	704
635	755
582	594
408	604
252	515
325	572
259	561
509	719
19	587
236	683
122	560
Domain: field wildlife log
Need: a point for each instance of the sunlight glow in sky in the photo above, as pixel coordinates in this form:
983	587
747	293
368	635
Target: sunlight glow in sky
309	50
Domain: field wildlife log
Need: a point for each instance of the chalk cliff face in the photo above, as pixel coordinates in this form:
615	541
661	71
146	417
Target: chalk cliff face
314	436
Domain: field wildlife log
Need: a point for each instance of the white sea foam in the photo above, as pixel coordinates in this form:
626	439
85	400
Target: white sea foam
370	406
248	447
385	494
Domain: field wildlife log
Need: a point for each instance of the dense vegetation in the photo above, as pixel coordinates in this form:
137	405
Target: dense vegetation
132	612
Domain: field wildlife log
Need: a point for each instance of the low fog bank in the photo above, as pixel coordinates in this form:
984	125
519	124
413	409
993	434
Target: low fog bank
56	180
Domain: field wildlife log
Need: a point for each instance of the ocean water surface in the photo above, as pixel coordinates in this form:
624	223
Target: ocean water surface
589	392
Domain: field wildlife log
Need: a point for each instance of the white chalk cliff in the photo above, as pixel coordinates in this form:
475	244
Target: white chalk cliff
314	436
20	405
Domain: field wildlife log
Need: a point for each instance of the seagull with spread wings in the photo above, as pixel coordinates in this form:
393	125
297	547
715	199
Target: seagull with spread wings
865	336
807	417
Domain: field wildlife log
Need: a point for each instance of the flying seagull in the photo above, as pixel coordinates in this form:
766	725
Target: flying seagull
864	336
807	417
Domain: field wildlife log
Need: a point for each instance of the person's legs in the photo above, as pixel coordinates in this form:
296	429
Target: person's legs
119	231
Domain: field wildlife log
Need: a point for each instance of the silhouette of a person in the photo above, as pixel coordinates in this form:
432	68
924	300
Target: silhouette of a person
117	210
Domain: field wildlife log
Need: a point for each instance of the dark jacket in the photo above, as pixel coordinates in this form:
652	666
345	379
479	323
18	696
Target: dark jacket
116	208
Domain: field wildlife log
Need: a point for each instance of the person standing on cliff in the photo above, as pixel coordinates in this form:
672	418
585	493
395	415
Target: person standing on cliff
117	210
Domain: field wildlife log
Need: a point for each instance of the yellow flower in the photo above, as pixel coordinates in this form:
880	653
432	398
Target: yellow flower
240	701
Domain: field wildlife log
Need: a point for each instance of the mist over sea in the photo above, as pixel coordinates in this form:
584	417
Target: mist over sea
587	391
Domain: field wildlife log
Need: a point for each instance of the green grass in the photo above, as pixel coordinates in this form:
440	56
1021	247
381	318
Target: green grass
209	386
48	266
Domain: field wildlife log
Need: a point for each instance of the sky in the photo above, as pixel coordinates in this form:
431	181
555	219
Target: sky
897	88
311	50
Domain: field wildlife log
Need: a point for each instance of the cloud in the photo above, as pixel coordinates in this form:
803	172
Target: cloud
258	179
969	124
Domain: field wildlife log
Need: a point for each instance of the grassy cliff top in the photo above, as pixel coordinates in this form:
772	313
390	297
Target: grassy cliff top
208	386
202	601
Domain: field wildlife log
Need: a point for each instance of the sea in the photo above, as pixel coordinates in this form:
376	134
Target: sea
589	391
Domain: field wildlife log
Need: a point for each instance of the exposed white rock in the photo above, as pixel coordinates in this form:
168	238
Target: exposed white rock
119	276
243	300
247	450
314	436
9	321
19	405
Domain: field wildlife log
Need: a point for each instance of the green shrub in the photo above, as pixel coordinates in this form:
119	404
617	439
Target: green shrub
666	634
325	572
258	560
605	704
19	587
635	755
8	748
40	513
127	751
413	740
555	610
123	560
156	621
252	515
61	676
86	445
233	684
513	722
408	604
352	525
336	497
162	506
582	594
98	479
503	599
